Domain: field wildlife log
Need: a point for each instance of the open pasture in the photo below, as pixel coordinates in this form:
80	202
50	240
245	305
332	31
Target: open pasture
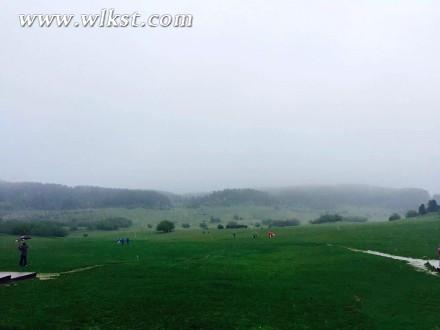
188	279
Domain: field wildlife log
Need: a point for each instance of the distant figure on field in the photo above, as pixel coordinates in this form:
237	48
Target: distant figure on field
127	241
254	236
271	234
233	235
23	248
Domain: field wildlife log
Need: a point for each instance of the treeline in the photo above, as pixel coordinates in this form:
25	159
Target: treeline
60	229
281	223
315	197
40	228
331	197
38	196
111	223
332	218
431	207
232	197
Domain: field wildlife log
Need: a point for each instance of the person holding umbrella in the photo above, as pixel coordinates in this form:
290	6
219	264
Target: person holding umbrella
23	248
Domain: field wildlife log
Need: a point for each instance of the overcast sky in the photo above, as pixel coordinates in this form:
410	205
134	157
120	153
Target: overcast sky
255	94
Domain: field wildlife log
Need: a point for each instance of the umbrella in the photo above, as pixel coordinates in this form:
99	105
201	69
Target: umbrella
25	237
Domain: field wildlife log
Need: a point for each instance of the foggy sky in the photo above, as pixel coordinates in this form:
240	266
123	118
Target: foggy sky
255	94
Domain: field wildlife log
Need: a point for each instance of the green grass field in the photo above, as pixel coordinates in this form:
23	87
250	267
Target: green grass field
194	216
191	280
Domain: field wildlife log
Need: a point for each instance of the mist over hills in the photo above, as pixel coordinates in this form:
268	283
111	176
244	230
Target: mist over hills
39	196
331	196
233	197
319	197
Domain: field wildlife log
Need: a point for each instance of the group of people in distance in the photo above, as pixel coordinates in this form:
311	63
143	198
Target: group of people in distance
123	241
23	246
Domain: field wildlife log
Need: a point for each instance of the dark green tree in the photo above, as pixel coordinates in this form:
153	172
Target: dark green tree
432	206
394	216
165	226
422	209
327	218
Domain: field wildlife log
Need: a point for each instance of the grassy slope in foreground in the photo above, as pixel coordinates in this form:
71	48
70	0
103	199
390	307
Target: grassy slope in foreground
193	280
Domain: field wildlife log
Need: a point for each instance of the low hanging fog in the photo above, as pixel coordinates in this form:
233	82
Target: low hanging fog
255	94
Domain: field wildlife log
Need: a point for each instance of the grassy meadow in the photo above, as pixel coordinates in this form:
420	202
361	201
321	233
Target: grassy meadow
194	280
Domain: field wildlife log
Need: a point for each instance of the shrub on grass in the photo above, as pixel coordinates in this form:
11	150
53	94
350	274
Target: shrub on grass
285	223
186	225
327	218
411	214
220	226
234	225
165	226
394	217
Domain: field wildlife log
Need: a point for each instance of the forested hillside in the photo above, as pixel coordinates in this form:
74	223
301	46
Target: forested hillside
233	197
38	196
318	197
351	195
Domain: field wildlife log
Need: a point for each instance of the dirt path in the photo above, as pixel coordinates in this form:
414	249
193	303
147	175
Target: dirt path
52	276
419	264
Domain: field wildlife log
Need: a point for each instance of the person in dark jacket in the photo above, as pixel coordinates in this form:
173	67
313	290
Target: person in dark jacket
23	248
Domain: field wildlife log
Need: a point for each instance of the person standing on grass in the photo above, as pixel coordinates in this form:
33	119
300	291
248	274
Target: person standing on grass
23	248
438	253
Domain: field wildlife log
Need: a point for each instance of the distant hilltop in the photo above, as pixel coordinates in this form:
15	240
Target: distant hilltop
39	196
331	196
319	197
